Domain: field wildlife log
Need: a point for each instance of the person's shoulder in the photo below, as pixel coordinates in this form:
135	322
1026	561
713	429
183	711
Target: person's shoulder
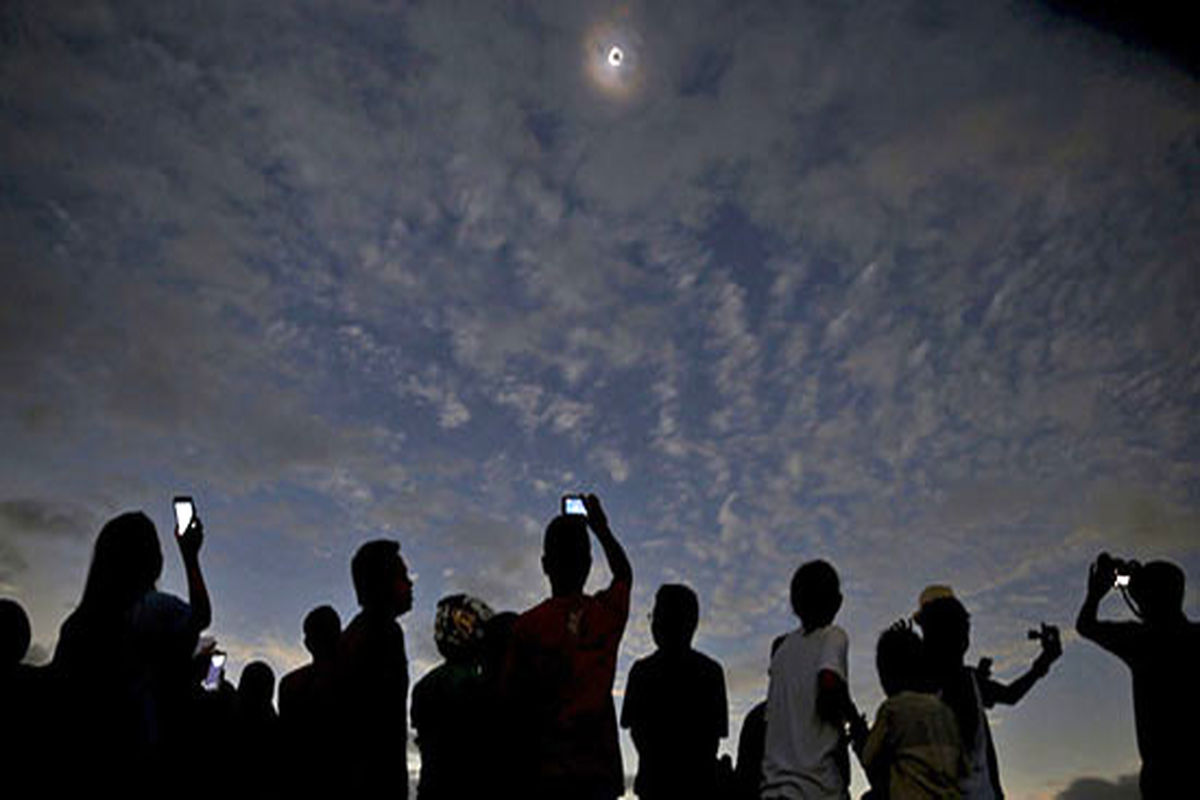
837	633
296	678
532	618
158	602
432	679
707	663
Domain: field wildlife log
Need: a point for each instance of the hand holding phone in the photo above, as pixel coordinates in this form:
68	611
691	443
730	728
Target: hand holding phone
189	531
216	671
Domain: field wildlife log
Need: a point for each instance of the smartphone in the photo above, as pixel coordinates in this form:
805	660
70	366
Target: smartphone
572	505
185	512
216	667
1122	580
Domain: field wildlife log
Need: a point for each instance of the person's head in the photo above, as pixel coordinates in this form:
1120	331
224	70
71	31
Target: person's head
676	615
126	563
1157	588
816	594
567	554
257	684
946	625
381	579
458	628
322	627
900	660
15	633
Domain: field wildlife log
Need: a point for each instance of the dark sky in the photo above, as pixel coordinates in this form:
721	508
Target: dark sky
910	286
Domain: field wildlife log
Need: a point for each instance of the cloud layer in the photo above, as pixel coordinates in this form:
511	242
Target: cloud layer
911	288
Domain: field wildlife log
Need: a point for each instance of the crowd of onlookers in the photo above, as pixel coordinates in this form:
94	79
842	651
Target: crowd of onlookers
135	699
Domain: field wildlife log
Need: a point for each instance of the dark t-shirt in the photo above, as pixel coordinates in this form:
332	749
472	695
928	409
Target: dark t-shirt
451	713
559	678
372	690
676	710
1165	662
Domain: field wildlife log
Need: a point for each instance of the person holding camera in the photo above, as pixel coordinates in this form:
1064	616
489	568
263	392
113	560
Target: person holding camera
1162	650
970	691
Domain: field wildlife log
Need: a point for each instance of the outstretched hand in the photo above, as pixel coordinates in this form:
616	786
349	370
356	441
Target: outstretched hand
1051	646
191	539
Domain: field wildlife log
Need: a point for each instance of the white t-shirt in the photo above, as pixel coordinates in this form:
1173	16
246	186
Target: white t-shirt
798	759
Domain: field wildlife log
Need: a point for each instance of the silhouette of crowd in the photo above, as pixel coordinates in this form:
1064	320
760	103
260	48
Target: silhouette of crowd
136	700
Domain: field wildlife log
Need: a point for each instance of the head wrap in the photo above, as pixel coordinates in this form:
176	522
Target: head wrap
458	628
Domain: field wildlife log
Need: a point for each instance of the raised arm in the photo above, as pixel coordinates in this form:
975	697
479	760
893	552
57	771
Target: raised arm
1119	638
1011	693
1100	581
189	547
618	562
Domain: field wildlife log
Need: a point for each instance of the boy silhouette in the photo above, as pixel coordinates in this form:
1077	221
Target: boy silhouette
675	704
913	749
808	702
561	664
1163	653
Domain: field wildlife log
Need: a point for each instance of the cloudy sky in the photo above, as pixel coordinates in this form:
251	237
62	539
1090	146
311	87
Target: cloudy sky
909	286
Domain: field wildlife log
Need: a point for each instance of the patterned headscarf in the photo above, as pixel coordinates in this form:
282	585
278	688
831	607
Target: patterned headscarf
458	628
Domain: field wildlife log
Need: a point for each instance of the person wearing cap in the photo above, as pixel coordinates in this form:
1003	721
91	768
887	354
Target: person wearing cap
970	691
450	703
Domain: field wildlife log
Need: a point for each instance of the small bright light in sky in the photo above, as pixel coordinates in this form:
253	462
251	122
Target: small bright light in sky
612	59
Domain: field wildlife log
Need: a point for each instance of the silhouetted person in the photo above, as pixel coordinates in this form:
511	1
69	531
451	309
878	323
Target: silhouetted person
969	691
1162	651
747	778
23	703
808	702
562	663
211	727
913	750
372	674
450	710
308	707
256	732
675	705
124	654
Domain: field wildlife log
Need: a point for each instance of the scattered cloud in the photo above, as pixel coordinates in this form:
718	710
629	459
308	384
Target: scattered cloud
1123	788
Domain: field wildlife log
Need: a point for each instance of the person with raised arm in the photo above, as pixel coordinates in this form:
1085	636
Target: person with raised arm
1162	650
562	663
123	659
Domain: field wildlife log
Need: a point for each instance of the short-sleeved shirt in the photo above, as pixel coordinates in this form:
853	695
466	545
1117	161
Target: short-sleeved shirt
1164	660
800	755
676	708
915	744
561	666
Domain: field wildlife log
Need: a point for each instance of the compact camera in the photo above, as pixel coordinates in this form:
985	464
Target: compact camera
1122	568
